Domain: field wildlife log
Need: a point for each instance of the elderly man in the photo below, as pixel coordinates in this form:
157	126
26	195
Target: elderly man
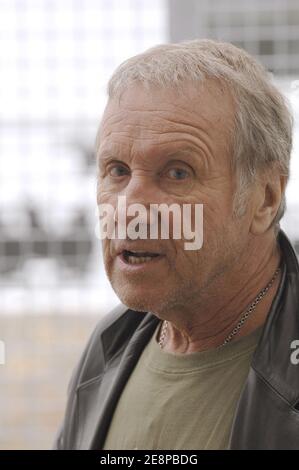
200	353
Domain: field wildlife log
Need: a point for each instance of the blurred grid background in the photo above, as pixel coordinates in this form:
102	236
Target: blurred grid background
55	59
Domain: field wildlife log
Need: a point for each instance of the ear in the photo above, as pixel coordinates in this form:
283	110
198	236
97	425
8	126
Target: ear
267	196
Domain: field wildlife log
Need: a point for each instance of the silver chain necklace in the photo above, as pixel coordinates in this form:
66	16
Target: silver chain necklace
241	322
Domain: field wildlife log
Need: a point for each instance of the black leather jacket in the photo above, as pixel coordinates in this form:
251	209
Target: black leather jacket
267	414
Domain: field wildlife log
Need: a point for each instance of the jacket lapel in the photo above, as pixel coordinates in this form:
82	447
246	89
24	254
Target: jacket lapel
98	397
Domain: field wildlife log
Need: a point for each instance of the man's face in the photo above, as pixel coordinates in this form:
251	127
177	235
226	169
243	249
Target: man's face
165	147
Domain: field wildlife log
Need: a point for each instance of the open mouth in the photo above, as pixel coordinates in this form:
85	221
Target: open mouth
138	257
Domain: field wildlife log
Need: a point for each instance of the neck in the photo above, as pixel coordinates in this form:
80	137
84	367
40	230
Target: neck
211	325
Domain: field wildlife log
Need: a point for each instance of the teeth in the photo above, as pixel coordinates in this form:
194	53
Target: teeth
139	260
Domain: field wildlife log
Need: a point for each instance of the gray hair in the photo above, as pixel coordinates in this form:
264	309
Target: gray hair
262	134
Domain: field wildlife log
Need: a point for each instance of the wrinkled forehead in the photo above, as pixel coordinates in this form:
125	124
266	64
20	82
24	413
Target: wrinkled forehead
148	112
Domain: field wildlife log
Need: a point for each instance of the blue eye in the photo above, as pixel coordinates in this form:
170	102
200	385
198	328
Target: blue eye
118	170
178	173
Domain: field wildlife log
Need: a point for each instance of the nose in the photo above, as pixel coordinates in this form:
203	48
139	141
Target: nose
141	189
137	197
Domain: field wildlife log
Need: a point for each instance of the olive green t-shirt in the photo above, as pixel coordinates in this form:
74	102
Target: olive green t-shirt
180	401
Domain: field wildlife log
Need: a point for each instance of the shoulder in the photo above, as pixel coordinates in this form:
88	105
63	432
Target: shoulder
93	358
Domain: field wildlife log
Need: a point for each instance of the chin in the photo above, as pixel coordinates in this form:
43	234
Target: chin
135	302
141	301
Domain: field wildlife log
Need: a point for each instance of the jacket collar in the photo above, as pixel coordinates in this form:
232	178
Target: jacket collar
98	398
271	359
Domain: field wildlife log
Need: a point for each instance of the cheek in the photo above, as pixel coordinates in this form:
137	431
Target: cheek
216	227
217	205
104	196
184	261
216	219
106	251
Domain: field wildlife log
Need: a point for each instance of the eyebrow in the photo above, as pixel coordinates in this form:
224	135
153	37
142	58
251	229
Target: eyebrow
183	152
188	151
107	155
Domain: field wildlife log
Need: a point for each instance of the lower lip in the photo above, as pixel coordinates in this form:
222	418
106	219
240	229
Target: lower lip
126	266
